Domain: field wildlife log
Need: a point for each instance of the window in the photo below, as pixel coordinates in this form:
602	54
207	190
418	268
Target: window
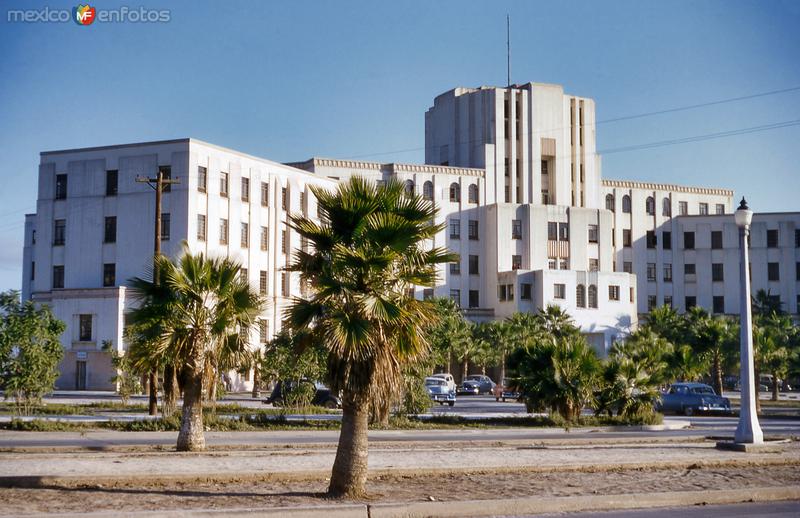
580	296
455	192
165	226
263	282
720	208
689	269
427	294
109	274
690	302
223	231
666	240
559	291
264	194
666	207
245	235
409	187
626	204
263	331
652	301
473	193
284	199
683	208
59	232
85	328
58	276
33	237
510	291
551	263
773	271
594	230
594	265
473	265
651	272
688	240
472	229
704	209
264	238
593	296
516	262
202	178
110	230
651	239
201	227
516	229
166	174
33	270
797	238
501	292
285	241
668	300
61	187
610	202
719	304
667	272
627	266
455	296
772	239
112	176
455	268
223	185
563	231
552	231
243	274
613	292
797	272
455	228
427	190
650	205
716	239
285	284
245	189
525	291
626	237
474	298
717	272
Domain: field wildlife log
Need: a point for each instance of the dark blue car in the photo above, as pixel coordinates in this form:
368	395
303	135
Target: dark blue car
693	398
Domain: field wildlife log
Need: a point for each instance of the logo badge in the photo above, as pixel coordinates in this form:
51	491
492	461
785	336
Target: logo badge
83	14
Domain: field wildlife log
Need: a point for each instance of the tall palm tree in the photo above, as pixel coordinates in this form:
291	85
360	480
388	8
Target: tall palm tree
365	254
199	316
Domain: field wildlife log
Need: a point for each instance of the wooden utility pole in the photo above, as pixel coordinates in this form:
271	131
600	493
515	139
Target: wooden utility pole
157	184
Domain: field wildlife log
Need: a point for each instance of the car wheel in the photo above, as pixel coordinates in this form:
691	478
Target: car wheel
497	399
504	400
688	411
330	404
451	403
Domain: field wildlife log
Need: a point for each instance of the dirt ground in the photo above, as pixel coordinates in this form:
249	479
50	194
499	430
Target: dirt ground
390	488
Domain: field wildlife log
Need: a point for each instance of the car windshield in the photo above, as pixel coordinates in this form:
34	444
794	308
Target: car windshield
434	382
472	378
703	390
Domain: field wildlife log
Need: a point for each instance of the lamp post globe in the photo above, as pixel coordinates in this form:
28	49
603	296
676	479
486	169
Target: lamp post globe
748	430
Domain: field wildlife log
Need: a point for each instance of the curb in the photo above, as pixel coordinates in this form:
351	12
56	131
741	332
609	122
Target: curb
480	508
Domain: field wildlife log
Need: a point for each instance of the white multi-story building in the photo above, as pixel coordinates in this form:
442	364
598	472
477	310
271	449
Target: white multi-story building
514	172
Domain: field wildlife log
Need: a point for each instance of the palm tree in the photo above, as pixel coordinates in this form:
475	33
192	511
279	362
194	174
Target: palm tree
198	316
449	334
714	337
366	253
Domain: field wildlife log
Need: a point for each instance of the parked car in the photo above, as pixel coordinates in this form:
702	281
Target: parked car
476	384
692	398
322	395
451	383
439	391
506	390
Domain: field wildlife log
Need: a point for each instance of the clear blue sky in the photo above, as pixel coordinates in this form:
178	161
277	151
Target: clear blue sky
288	80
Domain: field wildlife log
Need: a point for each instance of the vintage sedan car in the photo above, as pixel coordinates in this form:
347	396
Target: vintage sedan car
693	398
506	390
322	394
447	377
476	384
439	391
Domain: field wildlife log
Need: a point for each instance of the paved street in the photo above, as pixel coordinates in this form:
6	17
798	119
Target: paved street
757	510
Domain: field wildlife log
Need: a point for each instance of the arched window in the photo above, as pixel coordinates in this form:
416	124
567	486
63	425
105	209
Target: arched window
455	192
409	187
650	205
427	190
593	296
473	193
610	202
666	207
626	204
580	296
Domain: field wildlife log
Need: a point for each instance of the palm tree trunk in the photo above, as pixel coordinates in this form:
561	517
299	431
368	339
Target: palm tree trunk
502	368
255	393
774	386
349	474
153	384
464	369
170	402
717	373
191	437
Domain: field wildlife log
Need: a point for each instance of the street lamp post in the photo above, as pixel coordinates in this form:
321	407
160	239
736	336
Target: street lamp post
748	431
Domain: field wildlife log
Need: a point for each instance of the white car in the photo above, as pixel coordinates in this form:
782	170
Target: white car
448	378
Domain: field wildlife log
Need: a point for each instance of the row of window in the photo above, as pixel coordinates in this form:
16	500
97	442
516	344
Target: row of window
109	230
112	182
224	189
472	229
560	292
666	206
717	271
651	239
505	292
690	301
244	234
